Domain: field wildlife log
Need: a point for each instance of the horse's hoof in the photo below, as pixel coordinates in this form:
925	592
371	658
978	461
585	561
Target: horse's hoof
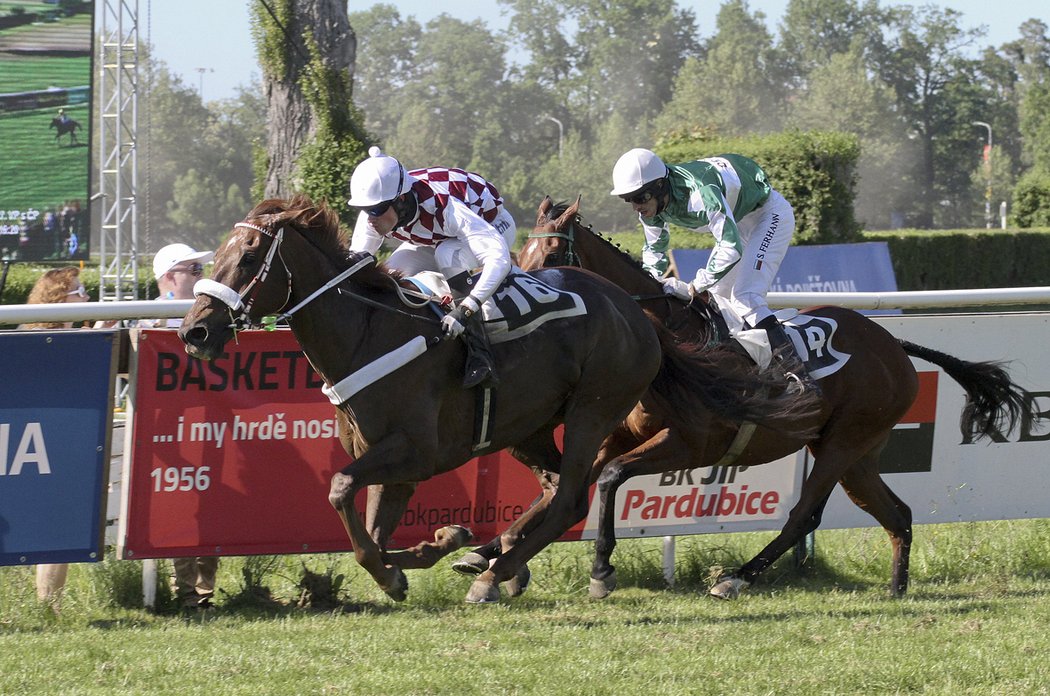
456	536
397	590
600	589
483	590
729	588
471	563
517	585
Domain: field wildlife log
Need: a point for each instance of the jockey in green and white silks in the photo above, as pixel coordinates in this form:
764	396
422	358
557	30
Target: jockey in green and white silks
730	196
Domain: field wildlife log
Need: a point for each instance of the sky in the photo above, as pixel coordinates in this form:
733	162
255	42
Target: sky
208	42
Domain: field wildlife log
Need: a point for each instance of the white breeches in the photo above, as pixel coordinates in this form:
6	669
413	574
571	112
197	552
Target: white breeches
742	291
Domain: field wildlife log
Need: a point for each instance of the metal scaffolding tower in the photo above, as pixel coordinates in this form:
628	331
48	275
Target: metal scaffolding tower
118	86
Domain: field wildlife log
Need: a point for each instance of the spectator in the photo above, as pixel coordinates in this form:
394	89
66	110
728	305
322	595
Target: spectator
177	267
55	286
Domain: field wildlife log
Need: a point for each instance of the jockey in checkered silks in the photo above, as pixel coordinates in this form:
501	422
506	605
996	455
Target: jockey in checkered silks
447	220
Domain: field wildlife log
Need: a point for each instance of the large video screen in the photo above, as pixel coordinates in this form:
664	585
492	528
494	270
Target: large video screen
45	121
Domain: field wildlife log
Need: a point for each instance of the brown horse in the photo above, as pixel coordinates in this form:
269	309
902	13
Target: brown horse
401	411
63	127
862	402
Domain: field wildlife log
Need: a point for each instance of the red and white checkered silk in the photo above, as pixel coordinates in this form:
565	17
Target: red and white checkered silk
433	189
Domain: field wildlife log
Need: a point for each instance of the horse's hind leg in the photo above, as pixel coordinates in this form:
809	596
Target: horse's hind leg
541	455
584	434
866	488
386	505
663	452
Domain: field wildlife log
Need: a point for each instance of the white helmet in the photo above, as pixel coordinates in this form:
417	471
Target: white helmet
635	169
378	179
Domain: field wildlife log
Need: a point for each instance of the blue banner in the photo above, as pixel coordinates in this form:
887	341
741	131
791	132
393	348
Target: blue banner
56	406
864	267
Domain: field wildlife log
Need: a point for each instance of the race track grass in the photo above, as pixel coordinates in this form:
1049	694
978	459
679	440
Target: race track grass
974	623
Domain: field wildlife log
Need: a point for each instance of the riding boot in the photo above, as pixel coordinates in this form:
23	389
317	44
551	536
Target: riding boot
481	365
787	357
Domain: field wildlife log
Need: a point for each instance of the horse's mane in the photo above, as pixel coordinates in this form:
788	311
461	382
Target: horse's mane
320	223
558	209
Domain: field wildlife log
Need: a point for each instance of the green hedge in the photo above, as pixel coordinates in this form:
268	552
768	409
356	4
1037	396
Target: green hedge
951	260
21	277
935	259
814	170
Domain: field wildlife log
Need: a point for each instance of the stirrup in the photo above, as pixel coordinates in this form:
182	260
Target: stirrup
798	384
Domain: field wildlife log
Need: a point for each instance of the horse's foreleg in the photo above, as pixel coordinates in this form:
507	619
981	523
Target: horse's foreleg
870	493
386	505
803	519
567	507
385	460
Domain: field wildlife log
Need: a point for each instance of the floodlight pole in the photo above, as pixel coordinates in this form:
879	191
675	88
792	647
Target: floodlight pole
987	175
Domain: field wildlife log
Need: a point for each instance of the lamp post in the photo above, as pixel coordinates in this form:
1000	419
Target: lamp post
987	174
200	89
561	131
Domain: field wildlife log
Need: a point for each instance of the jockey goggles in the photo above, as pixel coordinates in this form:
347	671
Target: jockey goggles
646	193
377	209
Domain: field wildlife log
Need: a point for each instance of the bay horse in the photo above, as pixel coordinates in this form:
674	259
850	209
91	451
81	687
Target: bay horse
402	413
861	403
62	127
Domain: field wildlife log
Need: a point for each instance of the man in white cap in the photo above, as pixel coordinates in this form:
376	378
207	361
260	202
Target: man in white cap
729	196
447	220
177	267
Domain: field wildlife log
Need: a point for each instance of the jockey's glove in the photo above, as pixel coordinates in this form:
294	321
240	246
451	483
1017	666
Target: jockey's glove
452	324
678	288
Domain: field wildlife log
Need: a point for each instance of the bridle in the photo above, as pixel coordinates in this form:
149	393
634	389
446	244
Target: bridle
239	304
571	257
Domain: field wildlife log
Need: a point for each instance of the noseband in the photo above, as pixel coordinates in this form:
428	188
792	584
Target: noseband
242	302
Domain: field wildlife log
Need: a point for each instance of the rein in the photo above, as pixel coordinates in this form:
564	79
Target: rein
242	302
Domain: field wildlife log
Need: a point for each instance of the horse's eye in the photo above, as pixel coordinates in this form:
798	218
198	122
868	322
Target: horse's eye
248	259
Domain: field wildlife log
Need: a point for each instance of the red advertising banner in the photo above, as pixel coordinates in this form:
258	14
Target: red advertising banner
234	457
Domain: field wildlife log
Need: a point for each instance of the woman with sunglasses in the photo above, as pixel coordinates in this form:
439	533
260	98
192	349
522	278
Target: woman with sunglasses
446	220
729	196
58	285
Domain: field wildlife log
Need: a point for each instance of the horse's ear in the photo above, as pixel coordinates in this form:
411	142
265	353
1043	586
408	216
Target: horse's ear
545	207
569	214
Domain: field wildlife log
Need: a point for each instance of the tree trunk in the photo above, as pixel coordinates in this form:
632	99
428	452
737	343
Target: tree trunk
291	121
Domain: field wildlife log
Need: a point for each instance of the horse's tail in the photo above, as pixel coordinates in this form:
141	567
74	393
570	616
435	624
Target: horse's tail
694	377
993	401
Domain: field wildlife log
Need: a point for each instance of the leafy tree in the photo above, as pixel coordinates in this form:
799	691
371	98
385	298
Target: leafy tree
307	51
388	46
1035	125
622	58
1031	206
454	93
812	32
734	89
843	96
928	74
